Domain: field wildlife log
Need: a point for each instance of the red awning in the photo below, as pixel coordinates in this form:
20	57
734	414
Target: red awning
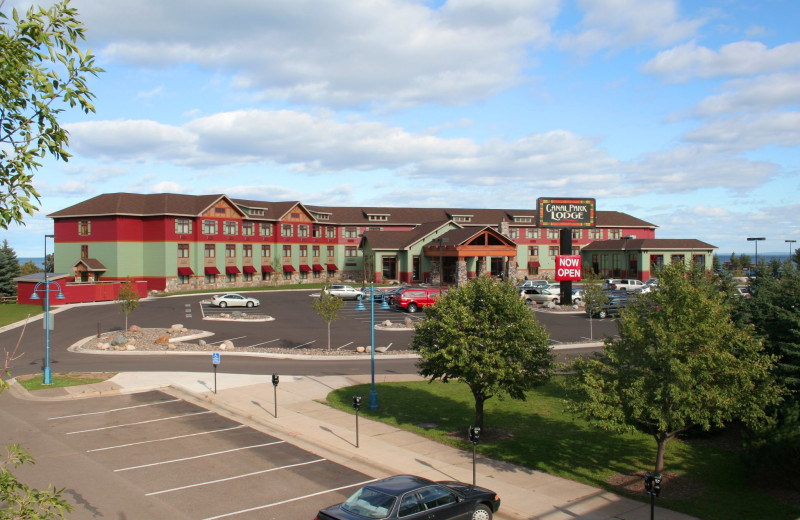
305	268
318	267
288	269
212	270
533	264
267	269
332	267
231	269
185	271
249	269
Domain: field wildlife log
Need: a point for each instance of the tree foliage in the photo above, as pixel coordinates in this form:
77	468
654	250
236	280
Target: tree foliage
29	267
328	307
43	72
9	269
484	336
680	362
593	298
127	299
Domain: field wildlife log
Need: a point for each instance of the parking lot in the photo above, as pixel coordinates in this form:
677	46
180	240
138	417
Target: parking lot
150	455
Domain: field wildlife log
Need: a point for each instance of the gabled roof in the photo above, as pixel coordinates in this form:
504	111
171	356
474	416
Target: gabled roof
140	204
637	244
91	264
394	240
456	237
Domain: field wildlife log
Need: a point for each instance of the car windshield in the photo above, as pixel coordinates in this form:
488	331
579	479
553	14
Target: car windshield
369	503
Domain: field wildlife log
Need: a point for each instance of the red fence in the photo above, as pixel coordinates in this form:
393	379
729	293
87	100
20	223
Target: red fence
73	292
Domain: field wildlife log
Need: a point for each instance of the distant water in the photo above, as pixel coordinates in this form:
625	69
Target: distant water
766	257
39	261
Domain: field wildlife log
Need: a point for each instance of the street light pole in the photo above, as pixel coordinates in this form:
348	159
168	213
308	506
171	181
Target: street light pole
756	240
790	242
373	394
48	379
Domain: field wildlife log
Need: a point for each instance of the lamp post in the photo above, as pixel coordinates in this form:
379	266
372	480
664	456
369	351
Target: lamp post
47	379
756	240
373	394
790	242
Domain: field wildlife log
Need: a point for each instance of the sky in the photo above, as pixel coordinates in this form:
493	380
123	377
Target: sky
684	113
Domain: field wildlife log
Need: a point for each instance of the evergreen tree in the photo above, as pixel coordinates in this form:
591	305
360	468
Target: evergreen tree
9	269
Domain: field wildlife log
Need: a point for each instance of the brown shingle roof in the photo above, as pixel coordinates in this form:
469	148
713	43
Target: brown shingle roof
647	243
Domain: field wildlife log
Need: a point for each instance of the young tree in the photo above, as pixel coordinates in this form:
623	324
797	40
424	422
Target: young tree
328	307
9	269
127	299
680	362
42	72
593	298
484	336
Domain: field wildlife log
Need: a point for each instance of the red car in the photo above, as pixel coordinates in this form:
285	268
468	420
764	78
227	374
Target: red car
412	298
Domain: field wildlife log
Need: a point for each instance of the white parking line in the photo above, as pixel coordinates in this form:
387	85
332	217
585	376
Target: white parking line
140	422
112	410
229	339
234	513
263	343
165	439
200	456
304	344
234	477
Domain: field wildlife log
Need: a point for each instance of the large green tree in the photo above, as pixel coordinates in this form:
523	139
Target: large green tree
680	362
43	72
9	269
484	336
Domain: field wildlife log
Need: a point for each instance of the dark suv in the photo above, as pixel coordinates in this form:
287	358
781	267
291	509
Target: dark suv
412	298
612	307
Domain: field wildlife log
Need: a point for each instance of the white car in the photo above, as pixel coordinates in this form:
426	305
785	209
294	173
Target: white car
533	283
233	300
345	292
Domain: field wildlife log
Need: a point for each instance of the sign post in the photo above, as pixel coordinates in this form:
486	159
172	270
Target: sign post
215	362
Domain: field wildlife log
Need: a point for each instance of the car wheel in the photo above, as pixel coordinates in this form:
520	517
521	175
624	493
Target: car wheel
249	304
412	307
602	314
223	304
576	300
555	301
482	512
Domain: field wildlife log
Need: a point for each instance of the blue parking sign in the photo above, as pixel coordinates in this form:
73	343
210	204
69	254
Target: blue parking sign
215	358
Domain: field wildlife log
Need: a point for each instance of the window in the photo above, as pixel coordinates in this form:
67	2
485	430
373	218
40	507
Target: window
247	251
553	250
287	230
330	232
287	251
183	250
211	278
552	233
247	277
230	250
265	230
378	218
230	277
533	251
614	234
302	230
304	275
183	226
532	233
677	259
577	234
656	262
514	233
266	276
330	251
287	275
462	218
322	216
210	251
84	228
596	234
209	227
523	219
317	231
576	251
254	211
304	251
350	232
351	251
315	251
248	229
183	279
436	496
85	251
231	227
219	210
700	260
266	251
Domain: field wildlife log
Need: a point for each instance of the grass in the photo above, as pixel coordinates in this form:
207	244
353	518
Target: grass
549	439
12	312
62	380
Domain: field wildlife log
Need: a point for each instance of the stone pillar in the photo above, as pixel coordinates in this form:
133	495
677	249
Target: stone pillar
461	272
481	266
512	268
436	272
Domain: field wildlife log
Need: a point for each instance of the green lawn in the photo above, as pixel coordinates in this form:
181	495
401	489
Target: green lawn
61	380
12	312
549	439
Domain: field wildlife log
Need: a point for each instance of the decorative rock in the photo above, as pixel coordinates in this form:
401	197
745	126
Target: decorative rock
135	328
387	323
119	339
202	343
103	346
228	344
223	346
184	329
171	346
177	326
237	314
163	340
360	350
130	347
132	341
409	322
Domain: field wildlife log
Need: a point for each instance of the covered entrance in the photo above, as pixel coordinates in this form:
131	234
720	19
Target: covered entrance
462	254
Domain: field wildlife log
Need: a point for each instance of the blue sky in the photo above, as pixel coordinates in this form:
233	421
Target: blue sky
682	113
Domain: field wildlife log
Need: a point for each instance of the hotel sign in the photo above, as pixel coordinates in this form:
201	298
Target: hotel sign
566	213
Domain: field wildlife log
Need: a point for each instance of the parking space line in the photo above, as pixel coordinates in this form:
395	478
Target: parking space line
140	422
263	343
254	473
222	341
287	501
165	439
112	410
304	344
200	456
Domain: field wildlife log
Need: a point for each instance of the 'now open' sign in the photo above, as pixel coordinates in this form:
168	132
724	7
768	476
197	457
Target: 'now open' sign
568	268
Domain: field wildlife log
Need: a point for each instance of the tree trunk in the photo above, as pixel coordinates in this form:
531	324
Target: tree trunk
661	439
329	335
479	400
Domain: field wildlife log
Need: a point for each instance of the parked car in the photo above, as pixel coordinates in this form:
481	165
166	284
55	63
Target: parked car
377	294
742	290
623	284
535	295
612	307
648	286
412	299
233	300
532	283
413	498
345	292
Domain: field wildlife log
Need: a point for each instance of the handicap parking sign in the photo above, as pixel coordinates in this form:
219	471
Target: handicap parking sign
215	358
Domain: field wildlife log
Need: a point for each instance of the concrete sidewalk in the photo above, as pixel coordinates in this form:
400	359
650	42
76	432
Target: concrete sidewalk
382	449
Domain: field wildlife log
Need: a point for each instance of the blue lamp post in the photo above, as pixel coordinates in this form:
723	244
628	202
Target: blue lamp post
373	394
47	380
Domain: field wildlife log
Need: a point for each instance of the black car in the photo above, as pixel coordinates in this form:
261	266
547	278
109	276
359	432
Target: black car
612	307
412	498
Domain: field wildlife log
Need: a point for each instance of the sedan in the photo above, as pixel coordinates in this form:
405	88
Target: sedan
345	292
233	300
377	294
413	498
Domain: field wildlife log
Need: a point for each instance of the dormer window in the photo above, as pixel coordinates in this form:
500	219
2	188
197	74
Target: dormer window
378	218
523	220
462	218
322	216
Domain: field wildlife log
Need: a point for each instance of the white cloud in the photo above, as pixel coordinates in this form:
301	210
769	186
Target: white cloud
749	132
169	187
623	23
743	58
761	93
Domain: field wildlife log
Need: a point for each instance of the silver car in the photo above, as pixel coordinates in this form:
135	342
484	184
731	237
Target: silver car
345	292
233	300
